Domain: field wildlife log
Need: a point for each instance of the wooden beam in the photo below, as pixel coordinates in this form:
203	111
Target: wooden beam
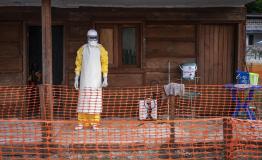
172	103
228	136
153	15
46	42
241	51
46	101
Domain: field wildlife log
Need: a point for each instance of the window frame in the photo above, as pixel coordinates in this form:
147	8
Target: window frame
138	45
117	44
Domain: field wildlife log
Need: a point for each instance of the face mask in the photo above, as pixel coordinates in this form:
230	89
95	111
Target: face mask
92	41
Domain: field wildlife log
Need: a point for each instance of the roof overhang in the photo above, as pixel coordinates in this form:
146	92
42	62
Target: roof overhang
254	16
131	3
254	31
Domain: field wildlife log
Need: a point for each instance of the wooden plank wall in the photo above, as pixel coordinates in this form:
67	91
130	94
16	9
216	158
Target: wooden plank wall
75	38
11	53
216	53
166	42
169	34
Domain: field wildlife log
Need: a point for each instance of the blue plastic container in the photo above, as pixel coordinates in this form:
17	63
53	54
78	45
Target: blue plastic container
242	77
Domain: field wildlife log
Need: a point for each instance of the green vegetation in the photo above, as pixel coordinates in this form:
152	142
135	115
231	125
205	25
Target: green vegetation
255	7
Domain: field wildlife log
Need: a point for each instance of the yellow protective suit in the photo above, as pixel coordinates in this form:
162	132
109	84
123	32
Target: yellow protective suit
92	68
104	60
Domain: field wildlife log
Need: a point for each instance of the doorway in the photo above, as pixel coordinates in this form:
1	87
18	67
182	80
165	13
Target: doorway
35	54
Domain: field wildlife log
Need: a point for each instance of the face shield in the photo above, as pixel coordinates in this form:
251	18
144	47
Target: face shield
92	37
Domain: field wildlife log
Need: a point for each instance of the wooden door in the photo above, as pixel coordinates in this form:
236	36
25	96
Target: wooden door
216	54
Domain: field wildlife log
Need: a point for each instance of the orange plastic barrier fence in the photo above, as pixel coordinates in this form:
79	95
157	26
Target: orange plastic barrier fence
60	102
217	138
19	102
38	122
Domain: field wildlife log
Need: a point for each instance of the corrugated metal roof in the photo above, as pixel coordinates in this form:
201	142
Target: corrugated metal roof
131	3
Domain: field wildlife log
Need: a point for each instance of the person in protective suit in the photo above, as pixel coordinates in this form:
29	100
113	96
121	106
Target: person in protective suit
91	64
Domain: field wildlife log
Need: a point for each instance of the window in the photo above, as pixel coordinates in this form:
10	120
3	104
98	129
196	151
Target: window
250	39
122	41
128	47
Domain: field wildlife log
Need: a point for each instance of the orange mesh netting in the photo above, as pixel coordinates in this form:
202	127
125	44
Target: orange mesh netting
38	122
19	102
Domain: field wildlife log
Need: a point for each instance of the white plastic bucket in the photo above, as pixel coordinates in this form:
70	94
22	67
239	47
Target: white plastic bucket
188	70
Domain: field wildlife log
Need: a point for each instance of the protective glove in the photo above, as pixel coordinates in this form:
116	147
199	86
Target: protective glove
104	84
76	82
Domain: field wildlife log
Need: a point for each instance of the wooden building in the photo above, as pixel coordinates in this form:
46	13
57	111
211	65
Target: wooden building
141	37
253	29
253	43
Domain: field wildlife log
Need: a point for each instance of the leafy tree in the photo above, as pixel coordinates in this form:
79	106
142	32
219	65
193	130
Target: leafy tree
255	7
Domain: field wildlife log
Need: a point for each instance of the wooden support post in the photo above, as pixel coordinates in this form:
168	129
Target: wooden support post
42	102
241	46
228	136
46	102
46	95
46	108
43	146
46	42
172	103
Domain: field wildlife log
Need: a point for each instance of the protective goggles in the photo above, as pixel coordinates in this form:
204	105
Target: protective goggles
92	38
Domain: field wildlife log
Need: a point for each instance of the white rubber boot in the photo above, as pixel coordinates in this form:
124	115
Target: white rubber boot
94	127
79	127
